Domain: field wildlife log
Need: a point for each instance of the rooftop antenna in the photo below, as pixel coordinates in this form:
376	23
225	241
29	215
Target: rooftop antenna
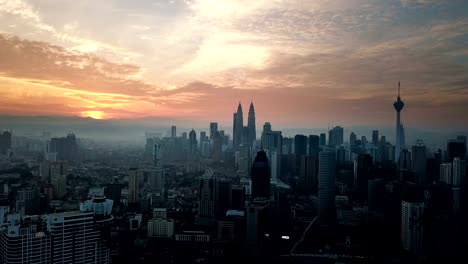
398	88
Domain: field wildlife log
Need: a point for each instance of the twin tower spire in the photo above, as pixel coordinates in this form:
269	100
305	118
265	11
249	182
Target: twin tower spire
244	135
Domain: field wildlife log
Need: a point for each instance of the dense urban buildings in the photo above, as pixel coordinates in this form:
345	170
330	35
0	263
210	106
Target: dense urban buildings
223	198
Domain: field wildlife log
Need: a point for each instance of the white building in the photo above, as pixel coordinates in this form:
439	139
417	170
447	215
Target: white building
161	228
411	226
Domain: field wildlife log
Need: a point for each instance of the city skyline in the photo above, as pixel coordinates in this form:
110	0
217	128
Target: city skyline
313	63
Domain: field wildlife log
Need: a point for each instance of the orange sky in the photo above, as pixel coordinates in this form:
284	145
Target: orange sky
303	64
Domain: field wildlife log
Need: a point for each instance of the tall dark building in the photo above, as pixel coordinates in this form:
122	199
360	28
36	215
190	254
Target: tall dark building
266	129
260	174
308	172
213	129
300	149
335	136
352	139
456	148
400	135
238	125
362	173
217	146
375	137
173	131
193	142
327	178
314	145
323	139
5	142
251	124
113	192
418	161
65	147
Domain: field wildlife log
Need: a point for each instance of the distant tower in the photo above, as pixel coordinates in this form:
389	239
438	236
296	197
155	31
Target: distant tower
238	126
173	131
327	175
398	105
193	142
251	124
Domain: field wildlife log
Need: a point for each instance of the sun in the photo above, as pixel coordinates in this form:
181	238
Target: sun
93	114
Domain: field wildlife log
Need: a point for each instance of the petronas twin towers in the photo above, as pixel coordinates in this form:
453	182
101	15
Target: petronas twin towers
241	134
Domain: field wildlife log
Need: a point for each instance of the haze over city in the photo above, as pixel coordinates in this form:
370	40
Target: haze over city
303	63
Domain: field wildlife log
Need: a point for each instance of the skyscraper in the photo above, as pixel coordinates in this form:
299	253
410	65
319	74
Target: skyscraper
412	226
335	136
352	139
157	178
323	139
398	105
207	199
418	152
456	148
308	171
266	129
173	131
314	145
251	124
300	149
65	147
217	147
260	174
375	137
133	187
327	175
238	126
5	142
213	129
193	142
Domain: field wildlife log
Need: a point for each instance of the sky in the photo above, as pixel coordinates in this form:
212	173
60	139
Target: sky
302	63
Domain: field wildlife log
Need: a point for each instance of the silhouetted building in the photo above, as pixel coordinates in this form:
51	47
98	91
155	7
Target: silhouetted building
260	175
238	125
323	139
5	142
412	226
251	124
335	136
173	131
207	200
418	152
362	173
213	129
65	147
133	185
314	145
398	105
300	149
113	192
327	176
193	142
352	139
456	148
308	172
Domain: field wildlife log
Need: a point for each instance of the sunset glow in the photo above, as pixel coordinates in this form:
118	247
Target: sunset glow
305	58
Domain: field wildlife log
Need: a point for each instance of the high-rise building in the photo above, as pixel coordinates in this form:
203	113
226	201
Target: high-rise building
273	145
327	177
323	139
266	129
362	173
300	149
193	142
217	153
412	226
398	105
352	139
456	148
308	171
5	142
446	173
65	147
375	137
23	241
113	192
133	185
257	223
251	124
314	145
419	158
459	172
173	131
238	125
260	175
335	136
207	199
161	228
213	129
157	178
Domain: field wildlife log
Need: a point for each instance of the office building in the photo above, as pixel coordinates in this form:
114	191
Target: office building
327	177
335	136
257	223
260	175
161	228
419	159
65	147
213	129
300	149
133	185
193	145
314	145
323	139
375	137
5	142
207	199
238	125
458	172
266	129
251	125
412	226
456	149
308	172
173	131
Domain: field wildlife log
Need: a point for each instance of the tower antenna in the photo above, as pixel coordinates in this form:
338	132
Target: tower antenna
398	88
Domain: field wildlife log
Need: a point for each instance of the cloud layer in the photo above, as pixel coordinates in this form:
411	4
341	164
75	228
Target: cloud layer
304	63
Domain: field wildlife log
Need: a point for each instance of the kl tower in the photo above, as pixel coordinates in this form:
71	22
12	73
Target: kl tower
398	105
